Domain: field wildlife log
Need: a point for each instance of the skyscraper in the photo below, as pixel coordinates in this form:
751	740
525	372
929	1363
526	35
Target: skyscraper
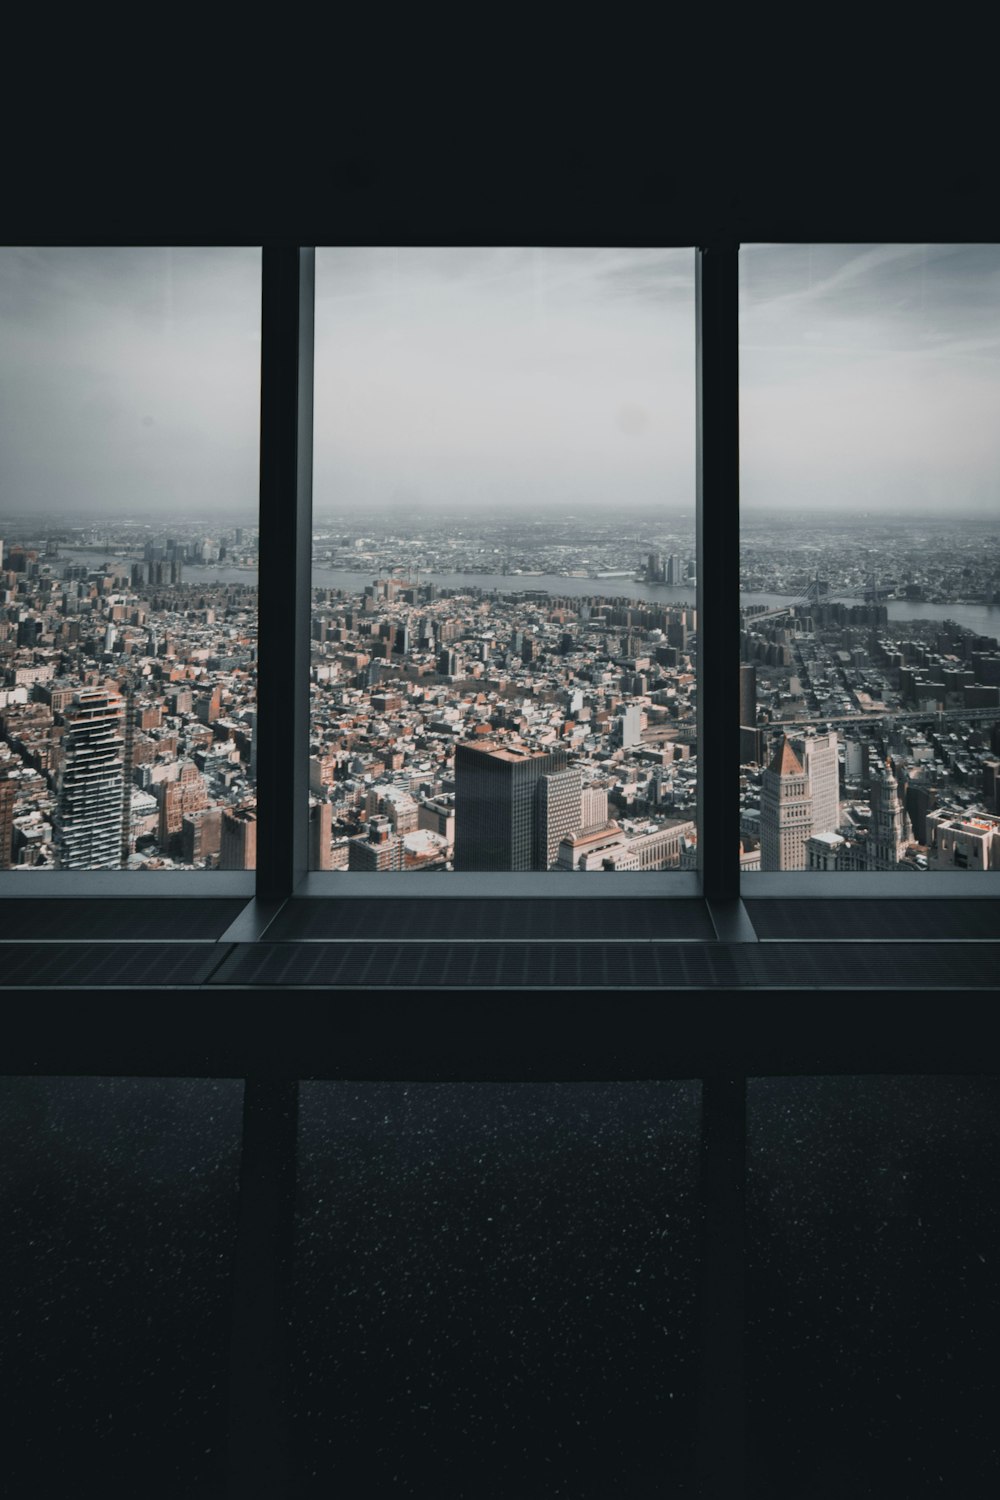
785	812
748	693
320	834
238	845
8	792
821	764
88	820
593	808
496	805
628	730
557	813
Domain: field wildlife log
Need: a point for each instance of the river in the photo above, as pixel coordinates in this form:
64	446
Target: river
984	619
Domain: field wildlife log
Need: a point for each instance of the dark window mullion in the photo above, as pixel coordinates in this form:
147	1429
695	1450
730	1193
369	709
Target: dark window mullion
284	588
718	561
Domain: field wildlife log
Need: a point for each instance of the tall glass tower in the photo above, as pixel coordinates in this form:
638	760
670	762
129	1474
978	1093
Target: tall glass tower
88	831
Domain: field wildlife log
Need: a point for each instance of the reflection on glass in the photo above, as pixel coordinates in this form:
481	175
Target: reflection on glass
117	1235
873	1299
504	632
128	627
495	1288
870	557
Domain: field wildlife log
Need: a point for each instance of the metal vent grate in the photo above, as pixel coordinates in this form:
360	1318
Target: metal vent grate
882	920
396	919
663	966
138	965
487	966
845	965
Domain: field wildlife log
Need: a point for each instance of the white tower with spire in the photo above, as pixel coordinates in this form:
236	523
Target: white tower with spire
890	826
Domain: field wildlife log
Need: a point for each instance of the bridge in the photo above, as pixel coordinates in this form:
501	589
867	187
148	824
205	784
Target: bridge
817	593
876	716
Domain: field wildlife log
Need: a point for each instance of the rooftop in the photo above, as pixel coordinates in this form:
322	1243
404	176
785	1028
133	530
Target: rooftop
503	752
785	762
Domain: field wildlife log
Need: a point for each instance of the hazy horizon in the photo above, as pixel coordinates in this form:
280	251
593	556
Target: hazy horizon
508	381
162	521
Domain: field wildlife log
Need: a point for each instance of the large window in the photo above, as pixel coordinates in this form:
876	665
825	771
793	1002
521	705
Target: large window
870	558
494	479
869	1282
504	629
128	559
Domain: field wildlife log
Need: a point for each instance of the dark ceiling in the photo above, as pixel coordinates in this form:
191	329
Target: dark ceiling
876	164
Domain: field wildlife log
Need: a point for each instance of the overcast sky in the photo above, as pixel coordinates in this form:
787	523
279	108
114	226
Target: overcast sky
129	381
505	379
525	379
870	377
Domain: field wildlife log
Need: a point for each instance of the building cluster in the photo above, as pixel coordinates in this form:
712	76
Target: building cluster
128	721
669	568
476	728
953	561
590	545
802	823
910	779
127	715
914	704
490	730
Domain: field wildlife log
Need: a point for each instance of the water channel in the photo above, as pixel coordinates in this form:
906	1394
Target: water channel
984	619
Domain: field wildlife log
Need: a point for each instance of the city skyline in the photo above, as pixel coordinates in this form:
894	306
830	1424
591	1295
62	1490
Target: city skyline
561	639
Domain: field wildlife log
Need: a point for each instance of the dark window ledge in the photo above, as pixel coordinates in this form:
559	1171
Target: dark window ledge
498	989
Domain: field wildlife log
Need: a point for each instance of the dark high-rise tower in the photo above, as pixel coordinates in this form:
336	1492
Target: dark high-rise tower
238	843
8	792
751	738
748	693
496	808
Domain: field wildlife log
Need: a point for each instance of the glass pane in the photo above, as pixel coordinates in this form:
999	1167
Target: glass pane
117	1238
873	1296
870	544
504	631
130	381
495	1288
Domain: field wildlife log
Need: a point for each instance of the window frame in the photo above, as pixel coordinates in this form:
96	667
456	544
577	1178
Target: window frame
286	453
718	879
644	194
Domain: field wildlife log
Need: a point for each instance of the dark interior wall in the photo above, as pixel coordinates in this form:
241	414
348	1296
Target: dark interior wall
811	149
